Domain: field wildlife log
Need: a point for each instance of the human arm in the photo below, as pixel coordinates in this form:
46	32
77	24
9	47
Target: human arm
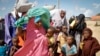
13	50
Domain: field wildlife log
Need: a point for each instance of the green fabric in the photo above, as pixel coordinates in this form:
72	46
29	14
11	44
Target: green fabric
21	21
33	12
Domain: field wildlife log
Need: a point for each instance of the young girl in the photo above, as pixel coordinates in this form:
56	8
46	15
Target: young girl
15	46
3	48
89	46
69	49
51	40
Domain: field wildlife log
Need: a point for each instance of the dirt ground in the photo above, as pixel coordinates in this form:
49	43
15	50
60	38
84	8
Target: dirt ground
96	31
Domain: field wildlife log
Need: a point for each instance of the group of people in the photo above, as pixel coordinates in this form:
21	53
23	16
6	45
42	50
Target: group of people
38	33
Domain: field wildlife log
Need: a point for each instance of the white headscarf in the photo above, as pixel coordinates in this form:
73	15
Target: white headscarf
55	14
57	21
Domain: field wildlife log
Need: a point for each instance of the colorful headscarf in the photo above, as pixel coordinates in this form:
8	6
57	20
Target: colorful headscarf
35	12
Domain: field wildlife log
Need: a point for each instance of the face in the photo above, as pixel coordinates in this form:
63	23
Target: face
15	42
50	32
39	24
57	29
62	14
86	34
69	40
64	28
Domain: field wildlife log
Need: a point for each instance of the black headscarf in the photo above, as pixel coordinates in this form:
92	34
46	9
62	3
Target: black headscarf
81	23
81	18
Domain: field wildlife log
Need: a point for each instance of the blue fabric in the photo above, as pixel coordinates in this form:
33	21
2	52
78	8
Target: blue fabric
9	27
37	18
72	51
3	50
24	26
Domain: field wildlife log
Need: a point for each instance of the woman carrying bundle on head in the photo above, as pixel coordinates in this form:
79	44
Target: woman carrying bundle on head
36	43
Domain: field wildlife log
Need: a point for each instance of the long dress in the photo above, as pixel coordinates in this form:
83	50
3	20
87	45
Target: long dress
36	43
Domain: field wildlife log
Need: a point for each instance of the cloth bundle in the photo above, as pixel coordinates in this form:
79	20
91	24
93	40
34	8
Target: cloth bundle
35	12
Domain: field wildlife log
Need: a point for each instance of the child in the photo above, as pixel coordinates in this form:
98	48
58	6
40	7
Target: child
89	46
61	38
69	49
65	30
15	46
57	31
3	48
51	40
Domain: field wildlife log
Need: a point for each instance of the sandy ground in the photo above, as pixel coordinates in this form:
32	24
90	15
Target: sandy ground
96	31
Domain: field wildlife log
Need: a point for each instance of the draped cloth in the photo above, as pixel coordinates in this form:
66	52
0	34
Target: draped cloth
9	27
23	5
36	43
56	18
34	12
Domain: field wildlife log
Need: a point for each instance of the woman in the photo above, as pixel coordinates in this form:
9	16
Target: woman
81	25
36	43
59	18
78	28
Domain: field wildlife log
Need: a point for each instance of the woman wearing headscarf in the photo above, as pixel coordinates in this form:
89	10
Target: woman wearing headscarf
59	17
36	43
80	26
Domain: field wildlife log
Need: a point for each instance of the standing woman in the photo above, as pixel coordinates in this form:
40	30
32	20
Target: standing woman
80	26
36	43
